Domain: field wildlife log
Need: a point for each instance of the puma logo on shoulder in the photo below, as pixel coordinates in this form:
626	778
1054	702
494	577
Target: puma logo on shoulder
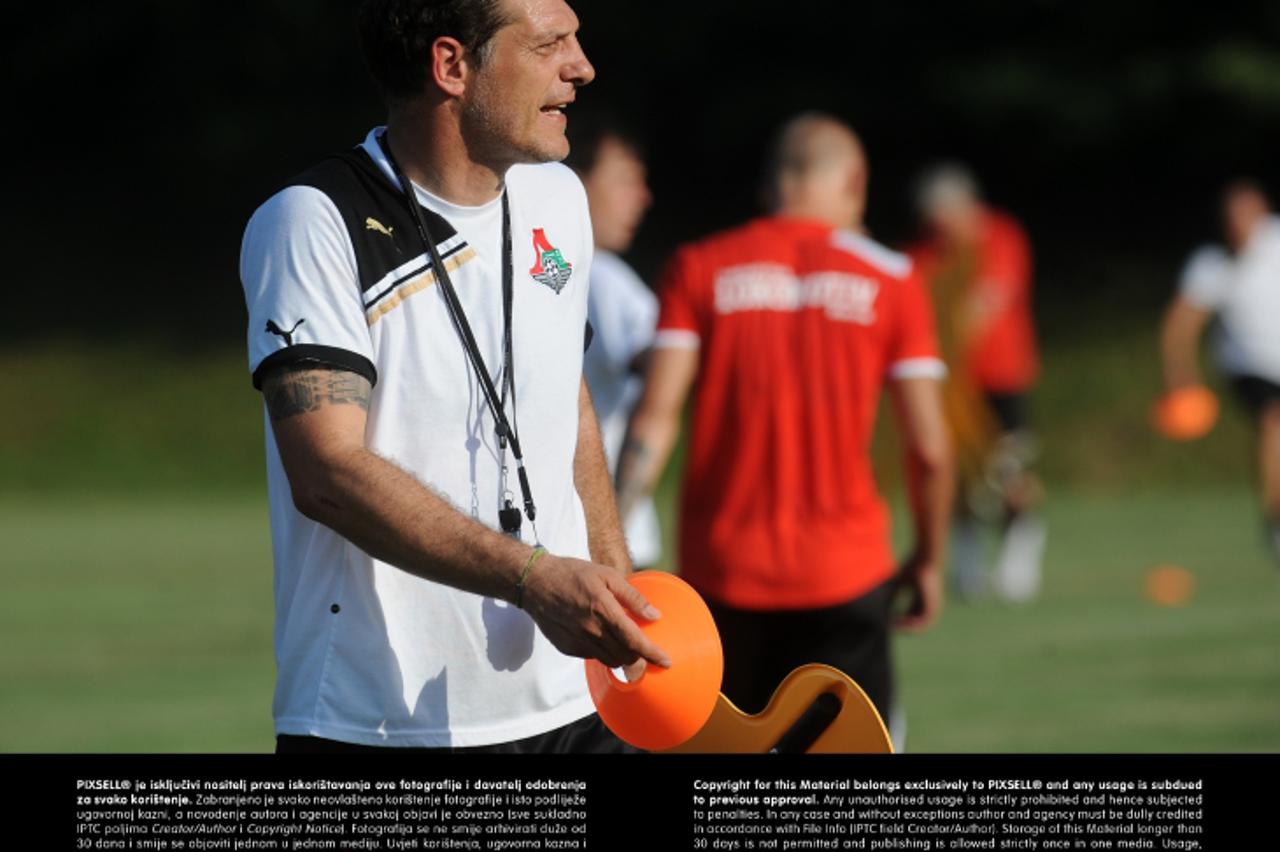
372	224
287	335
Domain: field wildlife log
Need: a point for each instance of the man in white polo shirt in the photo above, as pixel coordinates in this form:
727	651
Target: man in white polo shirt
421	364
1240	284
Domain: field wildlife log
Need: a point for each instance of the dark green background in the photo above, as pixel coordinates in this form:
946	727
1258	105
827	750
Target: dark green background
143	134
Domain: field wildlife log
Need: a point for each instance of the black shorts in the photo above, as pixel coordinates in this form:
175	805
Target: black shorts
761	647
1255	392
585	736
1010	410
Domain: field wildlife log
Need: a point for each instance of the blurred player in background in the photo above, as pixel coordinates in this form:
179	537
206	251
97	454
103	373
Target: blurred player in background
977	263
792	325
621	308
1240	284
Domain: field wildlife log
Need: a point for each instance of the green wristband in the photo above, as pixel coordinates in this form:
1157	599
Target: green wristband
538	553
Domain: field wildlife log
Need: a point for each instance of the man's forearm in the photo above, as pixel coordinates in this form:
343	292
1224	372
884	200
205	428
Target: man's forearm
655	424
1179	341
605	537
929	465
318	418
393	517
650	438
930	486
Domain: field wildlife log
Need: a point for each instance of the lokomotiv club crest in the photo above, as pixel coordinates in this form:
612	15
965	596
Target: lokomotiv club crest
550	268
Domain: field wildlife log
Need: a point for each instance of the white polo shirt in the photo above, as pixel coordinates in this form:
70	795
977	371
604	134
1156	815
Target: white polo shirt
623	313
1245	292
368	653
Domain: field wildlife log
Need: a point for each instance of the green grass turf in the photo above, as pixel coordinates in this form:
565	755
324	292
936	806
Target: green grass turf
120	418
144	624
135	624
1092	665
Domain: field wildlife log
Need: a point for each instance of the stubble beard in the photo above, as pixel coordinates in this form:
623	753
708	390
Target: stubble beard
493	136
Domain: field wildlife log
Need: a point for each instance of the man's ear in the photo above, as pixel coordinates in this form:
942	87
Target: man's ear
450	65
858	181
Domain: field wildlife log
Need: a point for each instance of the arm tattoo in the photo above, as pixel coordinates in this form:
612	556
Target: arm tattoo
298	391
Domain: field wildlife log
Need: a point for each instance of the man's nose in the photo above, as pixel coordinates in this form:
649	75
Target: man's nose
578	69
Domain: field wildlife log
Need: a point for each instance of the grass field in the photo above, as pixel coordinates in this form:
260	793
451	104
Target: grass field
138	624
136	568
1093	666
144	624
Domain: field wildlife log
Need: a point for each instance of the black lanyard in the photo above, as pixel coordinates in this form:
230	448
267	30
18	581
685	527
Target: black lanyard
508	515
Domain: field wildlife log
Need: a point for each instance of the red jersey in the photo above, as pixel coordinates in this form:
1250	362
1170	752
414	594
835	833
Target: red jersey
798	326
1000	354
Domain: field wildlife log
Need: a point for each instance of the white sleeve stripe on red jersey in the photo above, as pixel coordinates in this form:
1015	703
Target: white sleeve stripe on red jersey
918	368
886	260
676	338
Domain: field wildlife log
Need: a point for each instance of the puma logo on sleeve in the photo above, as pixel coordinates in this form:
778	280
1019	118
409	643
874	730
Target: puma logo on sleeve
286	335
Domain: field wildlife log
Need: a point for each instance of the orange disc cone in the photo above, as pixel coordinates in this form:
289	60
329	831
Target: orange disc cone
664	707
1169	585
1186	413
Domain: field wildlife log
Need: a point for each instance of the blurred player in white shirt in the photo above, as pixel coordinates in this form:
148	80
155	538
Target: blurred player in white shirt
622	310
1240	284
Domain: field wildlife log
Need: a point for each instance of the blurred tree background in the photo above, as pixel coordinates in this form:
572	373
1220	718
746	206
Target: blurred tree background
143	135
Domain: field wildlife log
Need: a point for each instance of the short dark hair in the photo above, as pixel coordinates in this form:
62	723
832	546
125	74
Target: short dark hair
1246	185
396	37
588	129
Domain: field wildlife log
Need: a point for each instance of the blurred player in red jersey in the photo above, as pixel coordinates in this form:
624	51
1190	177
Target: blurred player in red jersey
792	325
977	263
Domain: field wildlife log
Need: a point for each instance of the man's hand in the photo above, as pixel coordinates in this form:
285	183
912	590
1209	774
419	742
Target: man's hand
919	585
582	608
